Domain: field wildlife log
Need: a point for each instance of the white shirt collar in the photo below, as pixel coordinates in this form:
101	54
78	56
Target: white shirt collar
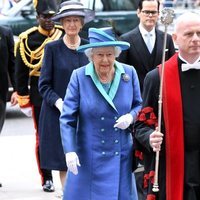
143	31
187	61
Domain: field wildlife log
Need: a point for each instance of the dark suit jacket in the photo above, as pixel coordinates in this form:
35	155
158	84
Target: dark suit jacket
138	55
7	60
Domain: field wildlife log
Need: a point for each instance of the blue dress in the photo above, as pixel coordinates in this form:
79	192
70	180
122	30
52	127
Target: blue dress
58	64
105	153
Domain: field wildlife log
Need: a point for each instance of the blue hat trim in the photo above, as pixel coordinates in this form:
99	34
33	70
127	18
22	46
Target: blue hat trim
102	38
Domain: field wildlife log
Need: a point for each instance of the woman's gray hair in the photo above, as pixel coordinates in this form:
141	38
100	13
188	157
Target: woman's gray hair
89	53
81	18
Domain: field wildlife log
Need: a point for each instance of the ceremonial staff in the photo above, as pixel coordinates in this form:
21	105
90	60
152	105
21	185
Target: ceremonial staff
166	19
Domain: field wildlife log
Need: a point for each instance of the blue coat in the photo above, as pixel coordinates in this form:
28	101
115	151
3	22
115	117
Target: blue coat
87	121
58	64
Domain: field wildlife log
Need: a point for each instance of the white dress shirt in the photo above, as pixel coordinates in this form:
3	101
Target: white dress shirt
144	34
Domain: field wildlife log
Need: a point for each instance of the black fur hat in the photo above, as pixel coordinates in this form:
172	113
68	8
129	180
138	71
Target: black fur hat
45	6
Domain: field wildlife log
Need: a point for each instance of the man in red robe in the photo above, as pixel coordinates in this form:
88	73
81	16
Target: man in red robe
179	142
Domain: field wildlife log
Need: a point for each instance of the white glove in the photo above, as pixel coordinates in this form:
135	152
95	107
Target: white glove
59	104
27	111
72	161
124	121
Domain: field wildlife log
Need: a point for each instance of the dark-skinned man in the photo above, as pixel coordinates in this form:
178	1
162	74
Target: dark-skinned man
29	54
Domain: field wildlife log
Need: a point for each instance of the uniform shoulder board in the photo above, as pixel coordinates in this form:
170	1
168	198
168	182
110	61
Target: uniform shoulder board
59	27
25	34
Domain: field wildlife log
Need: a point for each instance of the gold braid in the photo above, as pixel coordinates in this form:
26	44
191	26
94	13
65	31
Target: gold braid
37	54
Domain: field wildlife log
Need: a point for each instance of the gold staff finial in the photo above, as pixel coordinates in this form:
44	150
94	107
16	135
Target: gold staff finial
35	2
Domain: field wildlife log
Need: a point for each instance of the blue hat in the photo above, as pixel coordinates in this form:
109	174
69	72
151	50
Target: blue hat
102	37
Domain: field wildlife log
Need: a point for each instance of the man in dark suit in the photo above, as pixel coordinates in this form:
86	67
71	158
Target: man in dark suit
138	55
145	53
7	64
30	50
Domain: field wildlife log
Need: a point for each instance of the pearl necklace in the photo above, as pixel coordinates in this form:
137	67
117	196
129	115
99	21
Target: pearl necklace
72	46
106	78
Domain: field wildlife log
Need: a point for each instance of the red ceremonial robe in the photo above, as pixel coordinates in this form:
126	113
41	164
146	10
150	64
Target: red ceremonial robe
173	116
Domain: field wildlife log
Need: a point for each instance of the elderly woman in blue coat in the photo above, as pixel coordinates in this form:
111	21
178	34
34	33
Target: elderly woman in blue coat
101	102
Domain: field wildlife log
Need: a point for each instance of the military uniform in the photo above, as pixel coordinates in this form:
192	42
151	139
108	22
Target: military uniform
29	54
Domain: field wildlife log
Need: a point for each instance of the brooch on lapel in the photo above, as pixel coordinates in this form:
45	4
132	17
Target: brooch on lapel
126	77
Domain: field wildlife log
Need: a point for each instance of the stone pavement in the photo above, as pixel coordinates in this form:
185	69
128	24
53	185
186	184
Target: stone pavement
18	170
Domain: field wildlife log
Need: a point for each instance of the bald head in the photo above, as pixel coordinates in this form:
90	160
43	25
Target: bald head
186	36
186	18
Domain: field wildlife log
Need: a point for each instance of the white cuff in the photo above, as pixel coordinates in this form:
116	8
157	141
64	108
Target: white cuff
27	111
59	104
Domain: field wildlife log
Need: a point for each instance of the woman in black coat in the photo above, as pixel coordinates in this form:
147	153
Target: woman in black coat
60	59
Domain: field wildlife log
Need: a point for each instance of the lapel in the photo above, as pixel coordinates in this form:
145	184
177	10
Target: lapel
159	46
90	71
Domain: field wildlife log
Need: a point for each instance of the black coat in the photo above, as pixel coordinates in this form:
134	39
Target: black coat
7	61
58	63
138	55
147	121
